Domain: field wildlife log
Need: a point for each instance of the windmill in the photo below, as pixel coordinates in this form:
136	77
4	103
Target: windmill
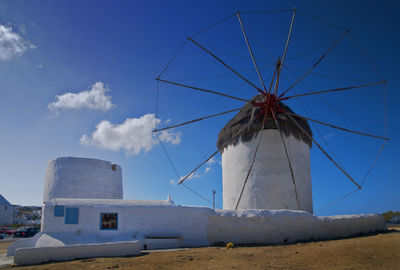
265	146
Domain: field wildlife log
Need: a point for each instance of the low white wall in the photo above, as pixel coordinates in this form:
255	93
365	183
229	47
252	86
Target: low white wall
135	219
270	184
25	256
285	226
349	225
71	177
160	224
23	243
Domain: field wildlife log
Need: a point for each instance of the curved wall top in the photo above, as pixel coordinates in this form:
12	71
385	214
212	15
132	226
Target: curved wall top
71	177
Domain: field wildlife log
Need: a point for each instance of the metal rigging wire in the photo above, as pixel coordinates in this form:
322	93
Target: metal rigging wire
321	20
252	163
331	106
172	59
375	69
362	183
265	11
314	125
216	76
324	75
337	159
213	25
217	99
179	177
335	90
169	158
317	62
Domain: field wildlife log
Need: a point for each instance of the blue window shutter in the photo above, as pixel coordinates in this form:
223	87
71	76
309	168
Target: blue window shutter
59	210
71	215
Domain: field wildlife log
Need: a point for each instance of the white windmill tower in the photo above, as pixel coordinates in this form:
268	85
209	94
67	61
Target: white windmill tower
268	168
265	148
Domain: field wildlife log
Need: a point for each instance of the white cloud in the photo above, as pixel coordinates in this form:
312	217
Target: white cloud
134	135
39	65
94	99
214	160
173	182
330	135
12	44
211	161
193	175
22	29
167	136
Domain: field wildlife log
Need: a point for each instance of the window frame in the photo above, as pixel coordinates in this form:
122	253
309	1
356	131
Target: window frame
101	221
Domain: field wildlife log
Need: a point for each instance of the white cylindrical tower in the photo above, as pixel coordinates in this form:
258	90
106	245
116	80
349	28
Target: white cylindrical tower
71	177
270	184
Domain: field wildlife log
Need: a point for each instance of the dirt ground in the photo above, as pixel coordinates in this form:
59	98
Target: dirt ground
3	247
379	251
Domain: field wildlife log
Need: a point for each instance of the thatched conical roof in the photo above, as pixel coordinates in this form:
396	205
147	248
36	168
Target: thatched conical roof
245	125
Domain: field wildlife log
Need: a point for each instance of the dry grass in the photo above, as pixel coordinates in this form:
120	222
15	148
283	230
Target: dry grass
380	251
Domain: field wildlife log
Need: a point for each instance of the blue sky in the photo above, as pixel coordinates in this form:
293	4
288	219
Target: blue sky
107	54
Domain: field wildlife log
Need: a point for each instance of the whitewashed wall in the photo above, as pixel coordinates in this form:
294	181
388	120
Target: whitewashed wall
6	214
24	243
28	256
70	177
136	219
198	226
270	184
194	226
286	226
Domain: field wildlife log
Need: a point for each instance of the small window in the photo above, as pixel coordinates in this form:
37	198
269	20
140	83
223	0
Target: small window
59	210
71	215
109	221
114	167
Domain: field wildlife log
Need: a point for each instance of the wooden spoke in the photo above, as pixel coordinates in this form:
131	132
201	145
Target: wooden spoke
340	128
223	63
288	159
323	151
278	67
252	163
201	89
284	52
288	37
195	169
316	63
272	80
335	90
250	51
195	120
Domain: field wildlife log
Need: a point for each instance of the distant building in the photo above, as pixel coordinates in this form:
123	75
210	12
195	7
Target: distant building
395	220
6	212
20	220
27	215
